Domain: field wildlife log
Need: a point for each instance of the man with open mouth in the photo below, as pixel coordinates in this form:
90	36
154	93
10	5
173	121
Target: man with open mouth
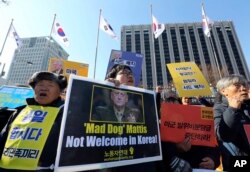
231	113
29	139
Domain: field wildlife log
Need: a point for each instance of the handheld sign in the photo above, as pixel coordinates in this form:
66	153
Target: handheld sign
65	67
181	121
12	97
188	79
94	136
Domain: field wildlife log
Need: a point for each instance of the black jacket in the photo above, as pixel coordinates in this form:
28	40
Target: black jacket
49	151
228	123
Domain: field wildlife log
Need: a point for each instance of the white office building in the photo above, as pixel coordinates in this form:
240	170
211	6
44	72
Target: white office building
31	57
184	42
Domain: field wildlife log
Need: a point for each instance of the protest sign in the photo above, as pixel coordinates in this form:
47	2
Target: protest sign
133	60
179	122
188	79
65	67
93	137
12	97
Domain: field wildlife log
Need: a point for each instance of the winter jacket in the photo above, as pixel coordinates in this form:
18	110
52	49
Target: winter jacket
48	155
229	127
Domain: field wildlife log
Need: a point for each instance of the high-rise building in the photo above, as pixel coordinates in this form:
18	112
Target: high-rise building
184	42
33	56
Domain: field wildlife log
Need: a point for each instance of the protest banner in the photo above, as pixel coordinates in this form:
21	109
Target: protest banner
12	97
179	122
65	67
188	79
133	60
93	140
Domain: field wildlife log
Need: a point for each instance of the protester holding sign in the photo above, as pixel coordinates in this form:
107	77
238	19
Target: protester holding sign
198	156
231	112
30	138
171	161
184	154
122	74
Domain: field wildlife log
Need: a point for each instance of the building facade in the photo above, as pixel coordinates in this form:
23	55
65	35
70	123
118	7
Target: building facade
184	42
31	57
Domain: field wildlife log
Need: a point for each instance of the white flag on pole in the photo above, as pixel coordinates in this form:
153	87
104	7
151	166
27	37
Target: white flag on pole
205	23
105	26
157	27
13	34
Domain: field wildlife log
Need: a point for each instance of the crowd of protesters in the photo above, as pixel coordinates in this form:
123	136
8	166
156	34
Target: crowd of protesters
231	112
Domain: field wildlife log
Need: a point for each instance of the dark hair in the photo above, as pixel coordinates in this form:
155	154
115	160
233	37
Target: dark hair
39	76
115	69
172	100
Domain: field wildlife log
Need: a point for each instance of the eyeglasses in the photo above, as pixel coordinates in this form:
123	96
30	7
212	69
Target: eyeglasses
125	72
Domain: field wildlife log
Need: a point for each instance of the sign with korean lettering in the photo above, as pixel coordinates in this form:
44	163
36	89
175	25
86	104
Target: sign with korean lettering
65	67
133	60
179	122
96	134
12	97
27	137
188	79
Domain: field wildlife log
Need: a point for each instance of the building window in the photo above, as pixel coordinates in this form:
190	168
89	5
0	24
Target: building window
32	42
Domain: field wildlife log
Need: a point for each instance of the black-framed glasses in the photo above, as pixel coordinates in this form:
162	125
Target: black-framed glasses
125	72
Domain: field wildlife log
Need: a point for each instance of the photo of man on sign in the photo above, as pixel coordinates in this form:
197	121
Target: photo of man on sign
118	107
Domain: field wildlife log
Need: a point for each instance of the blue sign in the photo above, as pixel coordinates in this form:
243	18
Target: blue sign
13	97
133	60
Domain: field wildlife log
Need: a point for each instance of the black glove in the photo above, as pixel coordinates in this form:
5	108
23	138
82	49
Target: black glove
180	165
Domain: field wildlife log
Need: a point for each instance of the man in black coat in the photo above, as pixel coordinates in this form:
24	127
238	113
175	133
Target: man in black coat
231	113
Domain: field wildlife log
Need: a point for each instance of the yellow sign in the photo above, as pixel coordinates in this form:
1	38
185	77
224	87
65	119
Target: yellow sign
65	67
188	79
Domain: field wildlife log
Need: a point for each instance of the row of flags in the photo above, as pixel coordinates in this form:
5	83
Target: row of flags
157	27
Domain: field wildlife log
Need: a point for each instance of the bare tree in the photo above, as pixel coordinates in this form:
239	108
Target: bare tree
211	79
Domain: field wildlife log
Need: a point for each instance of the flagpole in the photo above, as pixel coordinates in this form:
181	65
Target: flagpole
52	26
153	51
215	56
51	31
45	61
6	36
97	41
212	44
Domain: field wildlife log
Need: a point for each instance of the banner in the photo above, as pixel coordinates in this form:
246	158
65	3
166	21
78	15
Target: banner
179	122
105	126
133	60
65	67
13	97
188	79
